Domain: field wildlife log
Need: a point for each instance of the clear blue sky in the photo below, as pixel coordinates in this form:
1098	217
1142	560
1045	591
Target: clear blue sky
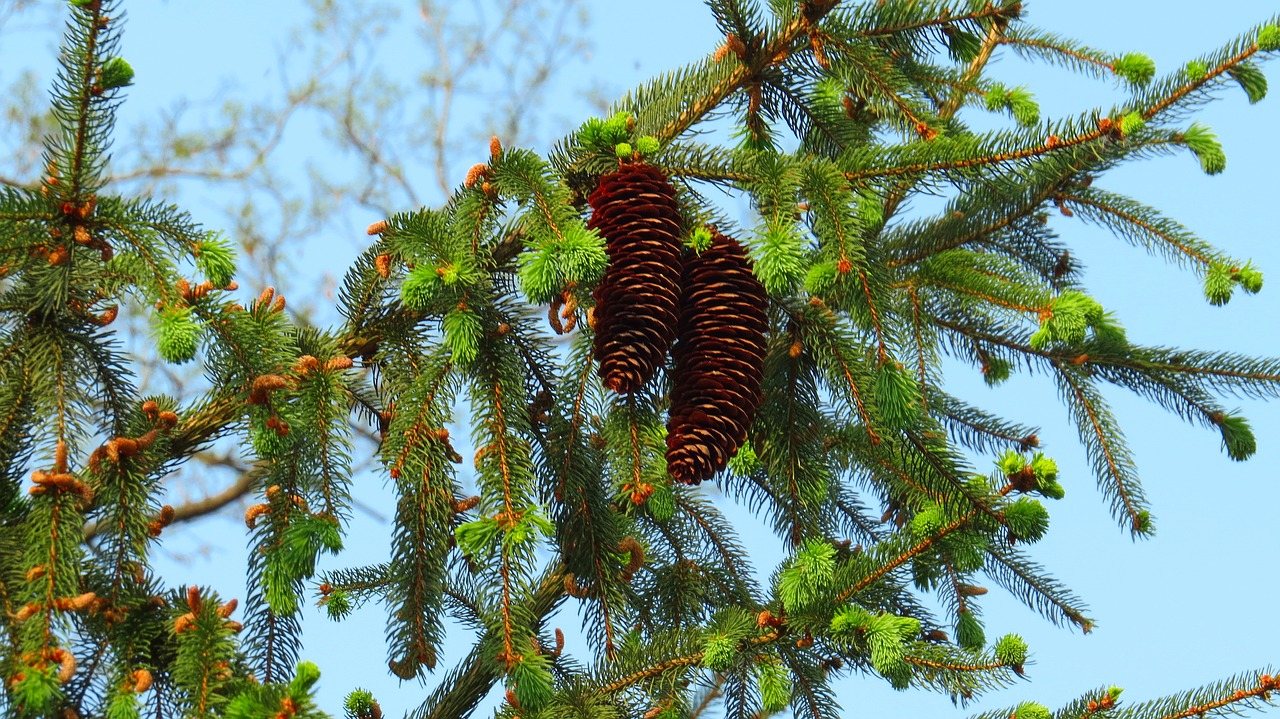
1191	605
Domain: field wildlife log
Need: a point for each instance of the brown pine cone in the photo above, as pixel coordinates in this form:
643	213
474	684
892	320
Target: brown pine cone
636	302
719	361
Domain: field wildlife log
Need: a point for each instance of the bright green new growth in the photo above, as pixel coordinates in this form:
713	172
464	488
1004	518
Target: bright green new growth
1135	67
775	684
1027	519
177	334
807	577
1019	102
1070	317
842	116
1269	38
1204	143
1031	710
1132	122
1238	437
647	145
1011	649
216	258
115	73
897	395
605	135
1251	80
576	258
359	704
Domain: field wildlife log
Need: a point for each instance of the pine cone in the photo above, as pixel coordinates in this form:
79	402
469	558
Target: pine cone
635	317
719	361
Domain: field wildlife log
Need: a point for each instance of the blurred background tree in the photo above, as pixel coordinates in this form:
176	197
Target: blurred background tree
384	98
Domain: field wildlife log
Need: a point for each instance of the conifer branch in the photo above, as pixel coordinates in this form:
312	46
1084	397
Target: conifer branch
470	681
1185	90
994	33
1078	56
903	557
774	51
954	666
989	12
1176	238
1110	455
84	81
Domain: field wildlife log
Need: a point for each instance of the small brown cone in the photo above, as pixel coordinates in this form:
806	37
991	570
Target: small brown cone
719	361
636	302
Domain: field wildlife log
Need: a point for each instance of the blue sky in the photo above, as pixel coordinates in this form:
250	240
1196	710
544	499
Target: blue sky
1189	606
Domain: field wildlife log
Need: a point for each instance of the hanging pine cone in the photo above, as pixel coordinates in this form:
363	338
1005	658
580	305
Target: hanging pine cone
719	361
635	316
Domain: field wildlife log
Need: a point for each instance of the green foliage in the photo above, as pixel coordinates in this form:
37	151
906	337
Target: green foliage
1237	437
969	632
1251	80
115	73
177	334
575	258
359	704
1132	122
604	134
1201	141
530	679
807	575
1135	67
1011	650
1027	519
216	258
1269	38
1018	102
1069	318
462	330
848	114
775	684
897	395
1031	710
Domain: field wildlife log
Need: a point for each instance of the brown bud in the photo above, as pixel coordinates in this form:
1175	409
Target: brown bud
66	665
376	228
27	611
146	440
264	384
81	235
265	298
183	623
81	602
59	255
572	588
227	609
495	147
305	365
338	364
383	264
475	173
252	513
141	680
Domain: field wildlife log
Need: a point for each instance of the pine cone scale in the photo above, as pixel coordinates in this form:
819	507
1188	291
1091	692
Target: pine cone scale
719	361
637	301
